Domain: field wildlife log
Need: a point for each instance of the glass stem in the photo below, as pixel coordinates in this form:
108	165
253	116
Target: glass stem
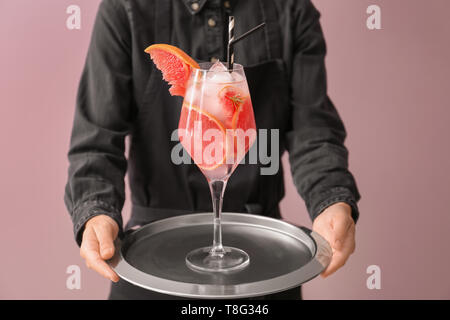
217	188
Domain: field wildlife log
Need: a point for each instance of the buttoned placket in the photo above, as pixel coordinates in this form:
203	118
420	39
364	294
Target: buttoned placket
214	28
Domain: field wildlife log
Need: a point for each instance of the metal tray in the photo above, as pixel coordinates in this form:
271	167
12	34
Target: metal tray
282	256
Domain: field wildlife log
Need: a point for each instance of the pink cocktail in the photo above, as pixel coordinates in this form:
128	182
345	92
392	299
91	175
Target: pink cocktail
217	128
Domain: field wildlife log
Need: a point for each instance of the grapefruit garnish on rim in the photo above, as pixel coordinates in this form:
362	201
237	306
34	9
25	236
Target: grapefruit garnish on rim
175	65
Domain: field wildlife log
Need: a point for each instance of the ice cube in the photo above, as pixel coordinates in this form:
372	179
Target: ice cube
237	76
218	66
217	73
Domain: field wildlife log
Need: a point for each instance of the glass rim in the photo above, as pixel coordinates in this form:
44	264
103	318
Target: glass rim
203	68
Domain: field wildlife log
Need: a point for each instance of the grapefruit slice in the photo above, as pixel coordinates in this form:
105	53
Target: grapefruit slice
175	65
231	97
243	117
244	126
194	124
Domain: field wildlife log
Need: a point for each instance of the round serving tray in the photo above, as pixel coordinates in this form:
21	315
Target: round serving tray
282	256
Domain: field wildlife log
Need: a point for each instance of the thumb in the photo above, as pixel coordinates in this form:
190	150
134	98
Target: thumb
340	229
105	235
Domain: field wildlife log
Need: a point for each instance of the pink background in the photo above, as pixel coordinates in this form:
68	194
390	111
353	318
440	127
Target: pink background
391	88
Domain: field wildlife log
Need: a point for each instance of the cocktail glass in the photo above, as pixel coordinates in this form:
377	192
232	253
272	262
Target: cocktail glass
217	128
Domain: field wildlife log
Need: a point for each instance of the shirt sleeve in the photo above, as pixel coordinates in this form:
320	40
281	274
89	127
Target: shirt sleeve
317	155
103	118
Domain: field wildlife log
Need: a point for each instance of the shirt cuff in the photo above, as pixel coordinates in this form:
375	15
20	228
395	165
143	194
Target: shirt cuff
90	209
334	195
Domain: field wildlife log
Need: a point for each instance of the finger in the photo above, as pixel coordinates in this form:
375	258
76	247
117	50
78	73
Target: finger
96	263
90	252
337	261
89	242
106	241
341	225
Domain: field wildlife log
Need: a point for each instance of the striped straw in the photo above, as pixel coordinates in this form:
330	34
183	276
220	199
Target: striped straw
232	40
230	43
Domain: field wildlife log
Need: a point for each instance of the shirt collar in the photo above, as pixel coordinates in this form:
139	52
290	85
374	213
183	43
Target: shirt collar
194	6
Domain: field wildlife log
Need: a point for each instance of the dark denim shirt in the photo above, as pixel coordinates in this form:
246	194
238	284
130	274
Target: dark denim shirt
121	94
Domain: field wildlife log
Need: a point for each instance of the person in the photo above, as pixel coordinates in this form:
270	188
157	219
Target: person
121	94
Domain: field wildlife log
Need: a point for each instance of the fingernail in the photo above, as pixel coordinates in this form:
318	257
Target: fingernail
107	252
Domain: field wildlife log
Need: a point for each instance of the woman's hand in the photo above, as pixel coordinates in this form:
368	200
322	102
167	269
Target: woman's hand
336	225
98	245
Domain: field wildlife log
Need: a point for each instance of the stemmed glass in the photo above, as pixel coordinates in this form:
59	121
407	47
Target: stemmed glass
217	128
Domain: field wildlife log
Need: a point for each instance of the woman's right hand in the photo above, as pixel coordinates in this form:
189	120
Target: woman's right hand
98	245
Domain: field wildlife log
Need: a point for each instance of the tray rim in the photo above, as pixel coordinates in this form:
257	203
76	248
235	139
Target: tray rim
321	257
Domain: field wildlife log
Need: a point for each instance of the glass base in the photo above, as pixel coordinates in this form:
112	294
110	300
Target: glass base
202	260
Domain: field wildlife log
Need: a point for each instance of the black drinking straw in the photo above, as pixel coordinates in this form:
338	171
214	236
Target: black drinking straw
232	40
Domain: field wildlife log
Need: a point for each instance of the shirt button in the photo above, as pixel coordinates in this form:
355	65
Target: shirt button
214	59
226	4
195	6
211	22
